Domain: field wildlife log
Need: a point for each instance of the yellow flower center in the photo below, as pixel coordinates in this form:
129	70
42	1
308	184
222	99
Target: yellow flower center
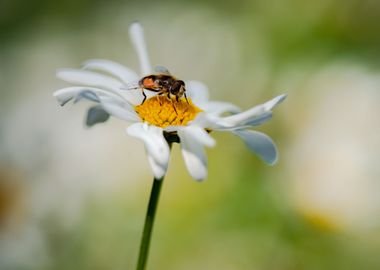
162	111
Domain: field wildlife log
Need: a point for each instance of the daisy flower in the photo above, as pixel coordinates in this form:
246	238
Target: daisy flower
161	120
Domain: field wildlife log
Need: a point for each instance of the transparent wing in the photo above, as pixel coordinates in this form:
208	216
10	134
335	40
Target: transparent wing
161	70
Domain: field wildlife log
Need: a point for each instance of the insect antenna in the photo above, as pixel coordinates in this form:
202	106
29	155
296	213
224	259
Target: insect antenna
131	86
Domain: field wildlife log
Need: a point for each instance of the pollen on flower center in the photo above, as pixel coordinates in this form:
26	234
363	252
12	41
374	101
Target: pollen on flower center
162	111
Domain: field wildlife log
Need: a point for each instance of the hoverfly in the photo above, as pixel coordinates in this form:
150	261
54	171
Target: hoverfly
163	83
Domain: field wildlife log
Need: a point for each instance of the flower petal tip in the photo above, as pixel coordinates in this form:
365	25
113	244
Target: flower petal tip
55	96
88	63
200	180
281	98
59	95
135	23
136	34
212	144
136	29
60	71
272	162
198	174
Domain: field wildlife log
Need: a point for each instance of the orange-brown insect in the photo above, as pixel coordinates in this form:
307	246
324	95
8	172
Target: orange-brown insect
164	84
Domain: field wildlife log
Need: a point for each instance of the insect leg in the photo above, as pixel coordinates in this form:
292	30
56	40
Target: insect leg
142	90
158	97
174	108
186	98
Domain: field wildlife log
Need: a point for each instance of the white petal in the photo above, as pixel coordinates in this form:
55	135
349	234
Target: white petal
207	121
197	92
269	105
119	109
260	144
262	118
251	114
123	73
193	152
219	107
155	143
158	170
110	102
217	123
134	97
136	33
85	77
200	135
66	94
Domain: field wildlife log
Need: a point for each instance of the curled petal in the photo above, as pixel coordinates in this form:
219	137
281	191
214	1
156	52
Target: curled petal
110	102
136	33
123	73
217	123
251	115
197	92
259	143
269	105
193	140
77	93
220	107
258	120
155	144
89	78
95	115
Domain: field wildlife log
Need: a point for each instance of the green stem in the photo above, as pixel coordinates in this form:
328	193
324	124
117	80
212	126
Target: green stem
149	221
151	211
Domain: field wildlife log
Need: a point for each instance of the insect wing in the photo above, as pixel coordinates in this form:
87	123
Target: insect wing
161	70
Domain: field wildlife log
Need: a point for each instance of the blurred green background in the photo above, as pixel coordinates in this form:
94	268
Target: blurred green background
75	198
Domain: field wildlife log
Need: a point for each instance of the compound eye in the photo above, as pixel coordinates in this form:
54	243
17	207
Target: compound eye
181	82
175	89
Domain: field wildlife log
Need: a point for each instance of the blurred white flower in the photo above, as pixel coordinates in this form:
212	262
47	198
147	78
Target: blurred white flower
333	162
158	119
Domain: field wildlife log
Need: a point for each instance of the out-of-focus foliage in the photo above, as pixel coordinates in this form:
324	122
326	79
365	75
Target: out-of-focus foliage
75	198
